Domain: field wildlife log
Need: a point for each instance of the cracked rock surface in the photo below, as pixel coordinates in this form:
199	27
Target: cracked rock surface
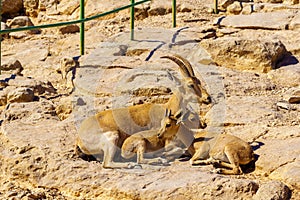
250	66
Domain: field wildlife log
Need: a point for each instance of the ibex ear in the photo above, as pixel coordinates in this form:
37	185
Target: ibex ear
170	76
173	78
178	114
180	117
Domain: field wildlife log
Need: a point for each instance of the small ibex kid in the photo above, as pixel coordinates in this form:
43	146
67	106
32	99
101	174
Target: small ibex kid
152	141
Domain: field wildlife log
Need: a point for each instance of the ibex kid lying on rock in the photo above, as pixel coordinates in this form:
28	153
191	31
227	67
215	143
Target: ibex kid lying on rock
152	141
105	132
224	150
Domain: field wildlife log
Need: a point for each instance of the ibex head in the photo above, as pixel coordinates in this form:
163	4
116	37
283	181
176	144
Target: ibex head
170	123
191	80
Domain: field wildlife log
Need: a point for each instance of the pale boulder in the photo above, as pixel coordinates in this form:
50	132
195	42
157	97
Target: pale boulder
260	55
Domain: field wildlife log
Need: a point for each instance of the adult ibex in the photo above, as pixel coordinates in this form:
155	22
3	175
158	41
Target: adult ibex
106	131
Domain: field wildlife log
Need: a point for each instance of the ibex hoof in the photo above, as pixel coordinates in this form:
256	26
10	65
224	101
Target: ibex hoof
217	171
134	166
215	162
163	161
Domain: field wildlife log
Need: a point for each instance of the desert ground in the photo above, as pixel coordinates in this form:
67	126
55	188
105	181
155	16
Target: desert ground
246	56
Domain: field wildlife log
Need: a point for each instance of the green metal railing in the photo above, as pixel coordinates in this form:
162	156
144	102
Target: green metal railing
216	11
82	20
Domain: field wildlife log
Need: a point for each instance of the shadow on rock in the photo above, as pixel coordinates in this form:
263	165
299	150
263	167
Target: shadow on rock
289	59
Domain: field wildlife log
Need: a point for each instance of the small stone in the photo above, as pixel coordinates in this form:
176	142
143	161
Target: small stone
284	105
20	95
295	97
184	8
226	3
3	98
159	8
234	8
69	29
20	21
14	66
247	9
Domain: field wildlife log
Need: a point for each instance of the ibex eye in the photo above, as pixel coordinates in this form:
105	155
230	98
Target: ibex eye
168	125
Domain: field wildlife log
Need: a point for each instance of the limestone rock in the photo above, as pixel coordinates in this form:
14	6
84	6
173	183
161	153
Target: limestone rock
69	29
20	95
28	112
38	87
93	7
32	56
268	1
12	66
11	7
64	108
287	152
4	27
30	7
66	7
292	95
259	55
291	2
159	8
286	76
225	3
234	8
37	149
44	4
3	98
289	173
141	11
21	21
283	105
67	64
269	20
184	8
273	190
18	35
248	9
295	23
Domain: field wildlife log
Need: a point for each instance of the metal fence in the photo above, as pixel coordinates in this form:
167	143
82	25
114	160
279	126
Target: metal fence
82	20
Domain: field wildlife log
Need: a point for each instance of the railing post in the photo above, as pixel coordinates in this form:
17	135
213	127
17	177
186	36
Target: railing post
216	11
132	20
174	13
81	27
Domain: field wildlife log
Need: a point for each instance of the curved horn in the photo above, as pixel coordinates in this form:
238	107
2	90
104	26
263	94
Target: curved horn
180	62
187	64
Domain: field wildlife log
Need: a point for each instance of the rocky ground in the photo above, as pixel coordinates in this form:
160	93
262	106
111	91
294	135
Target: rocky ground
248	62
